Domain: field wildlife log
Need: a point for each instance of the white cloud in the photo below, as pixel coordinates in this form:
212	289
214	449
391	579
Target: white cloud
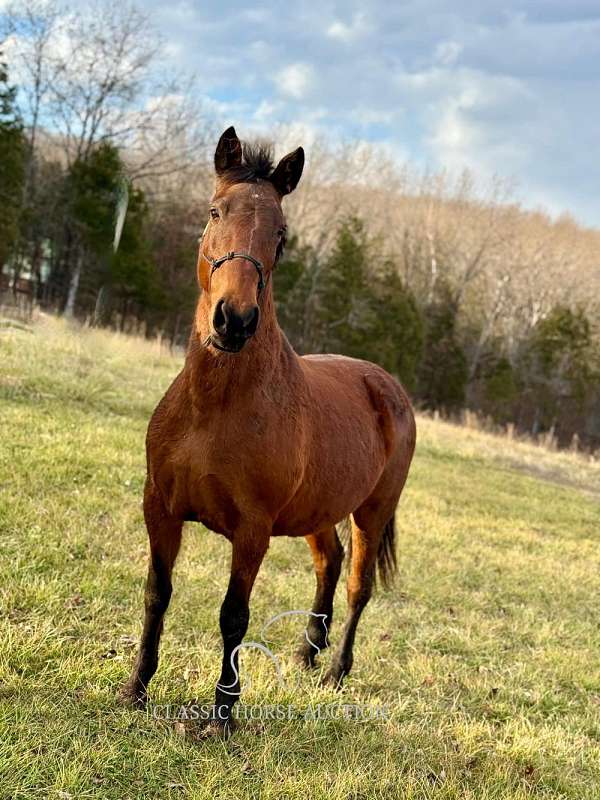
266	111
447	52
349	32
468	117
295	80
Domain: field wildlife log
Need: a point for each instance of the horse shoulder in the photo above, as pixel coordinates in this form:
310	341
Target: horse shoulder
167	429
167	417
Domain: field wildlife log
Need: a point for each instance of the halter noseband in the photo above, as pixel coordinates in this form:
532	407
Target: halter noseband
215	263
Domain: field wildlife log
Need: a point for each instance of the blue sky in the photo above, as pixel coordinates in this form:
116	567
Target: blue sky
511	88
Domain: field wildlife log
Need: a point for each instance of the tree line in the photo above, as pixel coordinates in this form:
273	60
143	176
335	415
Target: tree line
353	301
446	281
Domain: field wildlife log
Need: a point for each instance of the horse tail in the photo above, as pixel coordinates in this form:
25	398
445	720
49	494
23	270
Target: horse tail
344	532
387	565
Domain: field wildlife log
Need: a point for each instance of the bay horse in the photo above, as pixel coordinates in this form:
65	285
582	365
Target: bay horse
254	441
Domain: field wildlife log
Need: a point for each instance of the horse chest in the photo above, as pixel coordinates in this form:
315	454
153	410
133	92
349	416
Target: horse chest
222	474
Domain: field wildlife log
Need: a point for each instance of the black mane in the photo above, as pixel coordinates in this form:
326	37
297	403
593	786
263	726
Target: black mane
257	164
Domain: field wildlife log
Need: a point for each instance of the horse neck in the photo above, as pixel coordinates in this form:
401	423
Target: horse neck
213	374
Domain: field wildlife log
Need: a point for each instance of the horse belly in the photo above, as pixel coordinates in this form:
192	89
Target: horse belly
309	513
331	490
301	523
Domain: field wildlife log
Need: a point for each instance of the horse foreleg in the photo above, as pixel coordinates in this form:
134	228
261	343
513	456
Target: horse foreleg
365	544
164	532
248	551
328	554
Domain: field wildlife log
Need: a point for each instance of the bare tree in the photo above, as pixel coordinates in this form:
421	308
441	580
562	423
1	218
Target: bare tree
29	30
88	77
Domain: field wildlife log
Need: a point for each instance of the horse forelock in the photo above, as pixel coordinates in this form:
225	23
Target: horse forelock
257	164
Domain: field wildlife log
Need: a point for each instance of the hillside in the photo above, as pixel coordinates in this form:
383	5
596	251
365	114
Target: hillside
486	653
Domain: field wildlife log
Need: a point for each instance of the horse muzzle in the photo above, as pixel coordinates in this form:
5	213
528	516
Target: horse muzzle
232	328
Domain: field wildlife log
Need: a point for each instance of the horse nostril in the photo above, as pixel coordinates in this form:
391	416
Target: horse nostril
230	323
220	317
250	320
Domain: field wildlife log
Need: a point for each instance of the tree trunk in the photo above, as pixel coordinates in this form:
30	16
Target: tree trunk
73	288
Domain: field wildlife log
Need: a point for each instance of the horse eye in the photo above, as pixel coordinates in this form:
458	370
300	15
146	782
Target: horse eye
214	213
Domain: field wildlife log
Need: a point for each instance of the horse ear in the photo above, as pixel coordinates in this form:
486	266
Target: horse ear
229	151
287	173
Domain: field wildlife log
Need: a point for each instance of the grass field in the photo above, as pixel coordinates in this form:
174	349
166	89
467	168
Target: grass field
487	652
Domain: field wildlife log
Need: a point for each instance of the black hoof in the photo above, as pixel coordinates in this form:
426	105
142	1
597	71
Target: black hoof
306	657
131	697
334	677
217	729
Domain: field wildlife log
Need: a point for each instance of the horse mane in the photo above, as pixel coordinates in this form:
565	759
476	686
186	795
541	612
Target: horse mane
257	164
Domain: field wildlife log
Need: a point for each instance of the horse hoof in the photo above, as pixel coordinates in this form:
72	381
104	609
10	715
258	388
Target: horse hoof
334	678
217	729
305	658
128	696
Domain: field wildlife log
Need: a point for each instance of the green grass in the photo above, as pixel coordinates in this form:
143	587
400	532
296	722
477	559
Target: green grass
487	652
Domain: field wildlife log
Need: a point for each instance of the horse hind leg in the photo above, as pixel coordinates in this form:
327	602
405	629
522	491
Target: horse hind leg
328	554
373	526
372	547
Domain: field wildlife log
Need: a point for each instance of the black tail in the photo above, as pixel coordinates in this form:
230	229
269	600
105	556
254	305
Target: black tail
386	554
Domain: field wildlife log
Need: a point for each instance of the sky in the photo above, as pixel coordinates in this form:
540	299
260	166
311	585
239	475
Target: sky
507	88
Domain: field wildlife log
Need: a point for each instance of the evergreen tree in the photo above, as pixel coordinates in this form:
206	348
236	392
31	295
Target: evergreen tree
396	341
172	235
443	372
500	388
293	281
559	366
128	275
344	314
351	304
12	157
